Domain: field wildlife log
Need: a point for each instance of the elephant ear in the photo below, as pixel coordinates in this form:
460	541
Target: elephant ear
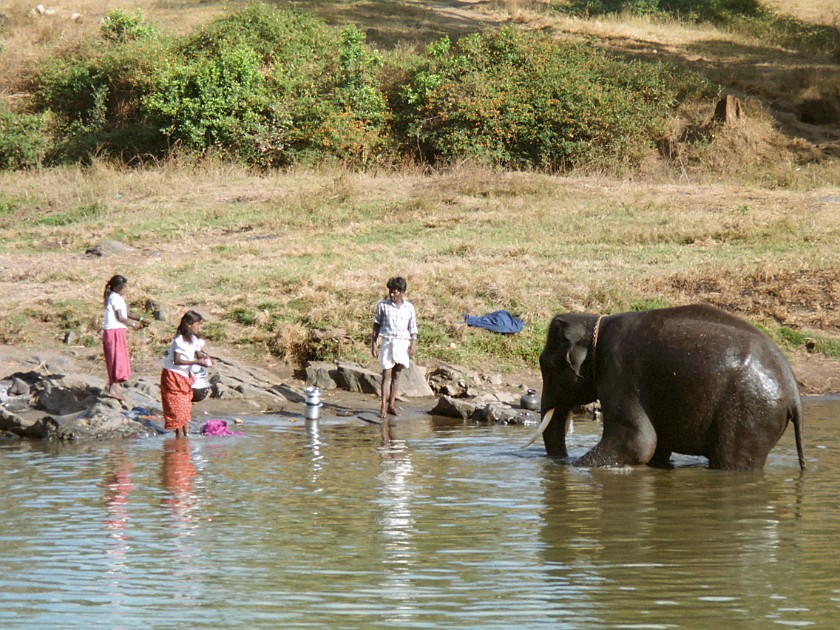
575	334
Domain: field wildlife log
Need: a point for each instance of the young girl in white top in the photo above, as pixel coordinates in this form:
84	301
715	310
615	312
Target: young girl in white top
114	345
176	380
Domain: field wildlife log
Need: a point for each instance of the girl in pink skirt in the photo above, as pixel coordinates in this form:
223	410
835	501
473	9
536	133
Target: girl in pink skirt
117	319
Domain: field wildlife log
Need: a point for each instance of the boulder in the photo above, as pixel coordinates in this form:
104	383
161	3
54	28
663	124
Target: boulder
65	409
502	414
107	248
354	378
321	374
455	408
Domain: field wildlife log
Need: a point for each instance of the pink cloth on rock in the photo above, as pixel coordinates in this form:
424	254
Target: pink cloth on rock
217	427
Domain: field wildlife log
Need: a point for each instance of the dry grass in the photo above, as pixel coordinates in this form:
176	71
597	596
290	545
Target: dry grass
742	222
272	258
818	11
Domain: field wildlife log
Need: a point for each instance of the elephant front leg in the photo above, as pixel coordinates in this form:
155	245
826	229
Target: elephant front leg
628	440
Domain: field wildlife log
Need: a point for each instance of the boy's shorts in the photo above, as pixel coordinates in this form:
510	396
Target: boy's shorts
394	351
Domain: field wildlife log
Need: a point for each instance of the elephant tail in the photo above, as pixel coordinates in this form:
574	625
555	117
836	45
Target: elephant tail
795	416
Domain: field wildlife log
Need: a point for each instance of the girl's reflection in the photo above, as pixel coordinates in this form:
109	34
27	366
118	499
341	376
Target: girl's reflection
178	477
117	487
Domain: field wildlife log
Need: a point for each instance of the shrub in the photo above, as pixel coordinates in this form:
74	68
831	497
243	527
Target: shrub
119	26
96	90
525	100
25	139
210	101
273	87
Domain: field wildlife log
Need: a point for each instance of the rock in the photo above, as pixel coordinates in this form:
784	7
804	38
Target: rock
19	387
65	409
445	374
493	379
354	378
413	383
455	408
162	312
107	248
321	374
502	414
453	390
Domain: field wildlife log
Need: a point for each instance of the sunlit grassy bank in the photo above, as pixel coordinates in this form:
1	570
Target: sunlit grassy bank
276	260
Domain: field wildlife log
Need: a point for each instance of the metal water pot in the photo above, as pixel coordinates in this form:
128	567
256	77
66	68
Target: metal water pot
313	402
530	401
201	386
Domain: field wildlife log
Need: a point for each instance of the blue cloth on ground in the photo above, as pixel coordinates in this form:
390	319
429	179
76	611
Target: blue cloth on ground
497	321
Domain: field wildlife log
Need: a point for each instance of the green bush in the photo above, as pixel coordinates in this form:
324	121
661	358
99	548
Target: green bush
96	92
273	87
519	99
119	26
25	139
210	102
270	88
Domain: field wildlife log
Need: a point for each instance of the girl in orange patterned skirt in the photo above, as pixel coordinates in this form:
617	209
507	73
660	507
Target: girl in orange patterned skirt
175	379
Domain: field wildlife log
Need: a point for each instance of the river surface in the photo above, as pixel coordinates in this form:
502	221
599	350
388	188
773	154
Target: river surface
433	524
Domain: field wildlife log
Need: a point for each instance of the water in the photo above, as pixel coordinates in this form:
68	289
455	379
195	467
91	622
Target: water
437	525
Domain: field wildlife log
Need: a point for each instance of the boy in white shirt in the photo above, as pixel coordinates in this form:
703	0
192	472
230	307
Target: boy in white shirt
396	322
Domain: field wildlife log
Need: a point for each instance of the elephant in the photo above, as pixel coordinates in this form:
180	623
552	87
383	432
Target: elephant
692	379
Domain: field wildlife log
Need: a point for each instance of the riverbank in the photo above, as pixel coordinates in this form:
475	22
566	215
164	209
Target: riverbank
816	376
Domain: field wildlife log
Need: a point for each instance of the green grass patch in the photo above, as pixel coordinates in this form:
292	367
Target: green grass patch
809	340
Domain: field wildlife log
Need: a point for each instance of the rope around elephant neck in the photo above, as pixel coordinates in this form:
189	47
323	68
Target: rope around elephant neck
595	340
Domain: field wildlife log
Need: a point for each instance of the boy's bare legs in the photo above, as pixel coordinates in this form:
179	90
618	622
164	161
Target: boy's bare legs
386	389
392	397
390	380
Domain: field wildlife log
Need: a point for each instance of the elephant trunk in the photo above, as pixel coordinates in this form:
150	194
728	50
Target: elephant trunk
553	435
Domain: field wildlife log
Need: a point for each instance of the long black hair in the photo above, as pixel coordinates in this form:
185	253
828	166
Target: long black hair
114	284
189	318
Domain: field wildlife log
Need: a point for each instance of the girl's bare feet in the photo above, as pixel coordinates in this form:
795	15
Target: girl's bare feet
393	411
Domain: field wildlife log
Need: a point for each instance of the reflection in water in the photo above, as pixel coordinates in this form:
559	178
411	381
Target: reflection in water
396	522
316	457
178	473
412	524
117	487
178	476
662	542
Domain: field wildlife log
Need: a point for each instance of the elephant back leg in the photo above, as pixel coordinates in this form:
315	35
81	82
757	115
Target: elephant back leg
743	435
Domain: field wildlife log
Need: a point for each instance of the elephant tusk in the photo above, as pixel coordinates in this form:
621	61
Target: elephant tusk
541	429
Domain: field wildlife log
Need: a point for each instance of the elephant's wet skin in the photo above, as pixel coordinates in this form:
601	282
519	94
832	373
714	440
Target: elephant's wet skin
692	379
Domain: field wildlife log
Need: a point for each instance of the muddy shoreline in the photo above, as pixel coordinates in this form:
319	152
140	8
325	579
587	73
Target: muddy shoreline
815	374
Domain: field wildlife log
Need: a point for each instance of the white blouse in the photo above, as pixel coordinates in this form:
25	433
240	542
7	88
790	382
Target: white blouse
115	303
180	346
